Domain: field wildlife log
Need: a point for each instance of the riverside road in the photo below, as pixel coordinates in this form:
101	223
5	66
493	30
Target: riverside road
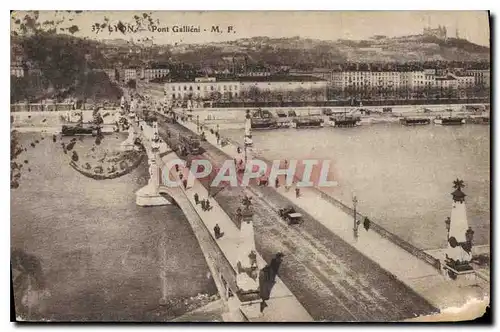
331	279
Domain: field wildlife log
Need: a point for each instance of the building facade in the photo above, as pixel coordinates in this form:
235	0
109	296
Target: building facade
343	80
203	87
129	74
210	88
446	82
465	81
17	71
149	74
411	80
481	76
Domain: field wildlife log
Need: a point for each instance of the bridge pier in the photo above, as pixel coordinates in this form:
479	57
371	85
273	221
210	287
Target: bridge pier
149	195
128	144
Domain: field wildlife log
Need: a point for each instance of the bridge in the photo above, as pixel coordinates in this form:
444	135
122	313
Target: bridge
329	274
227	257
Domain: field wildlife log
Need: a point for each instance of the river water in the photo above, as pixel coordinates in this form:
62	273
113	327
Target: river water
402	176
102	257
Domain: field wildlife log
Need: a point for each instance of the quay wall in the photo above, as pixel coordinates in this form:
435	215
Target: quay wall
237	115
53	118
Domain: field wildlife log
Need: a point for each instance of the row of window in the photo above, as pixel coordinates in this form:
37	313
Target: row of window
196	94
205	88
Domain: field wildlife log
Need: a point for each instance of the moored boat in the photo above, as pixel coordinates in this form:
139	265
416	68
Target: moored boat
479	120
262	119
449	121
80	129
308	122
415	121
348	121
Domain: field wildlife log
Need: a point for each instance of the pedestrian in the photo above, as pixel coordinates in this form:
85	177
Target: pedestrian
238	149
277	183
297	192
185	183
217	232
196	198
207	205
366	223
203	206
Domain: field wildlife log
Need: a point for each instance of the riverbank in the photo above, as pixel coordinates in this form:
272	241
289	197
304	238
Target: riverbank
233	118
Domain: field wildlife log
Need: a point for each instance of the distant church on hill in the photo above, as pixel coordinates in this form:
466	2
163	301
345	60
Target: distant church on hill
439	32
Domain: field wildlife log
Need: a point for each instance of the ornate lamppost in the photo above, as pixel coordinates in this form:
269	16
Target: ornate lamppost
354	204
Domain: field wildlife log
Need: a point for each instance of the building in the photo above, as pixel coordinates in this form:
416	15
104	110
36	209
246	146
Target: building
202	88
149	74
481	76
129	74
283	83
423	79
323	73
360	80
17	71
448	81
465	81
210	88
439	32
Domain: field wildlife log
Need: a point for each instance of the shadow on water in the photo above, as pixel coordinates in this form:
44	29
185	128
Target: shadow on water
29	283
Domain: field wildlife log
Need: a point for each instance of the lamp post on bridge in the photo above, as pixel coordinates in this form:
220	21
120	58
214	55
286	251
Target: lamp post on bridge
355	229
197	123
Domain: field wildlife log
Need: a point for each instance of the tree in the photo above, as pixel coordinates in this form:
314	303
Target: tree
131	84
253	93
215	96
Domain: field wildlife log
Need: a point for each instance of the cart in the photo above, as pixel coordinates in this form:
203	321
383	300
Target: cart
291	216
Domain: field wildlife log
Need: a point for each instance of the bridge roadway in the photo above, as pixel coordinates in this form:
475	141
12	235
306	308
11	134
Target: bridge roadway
330	278
222	254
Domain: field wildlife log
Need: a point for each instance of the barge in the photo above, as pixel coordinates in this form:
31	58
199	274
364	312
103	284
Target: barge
348	121
415	121
263	123
80	129
308	122
262	119
449	121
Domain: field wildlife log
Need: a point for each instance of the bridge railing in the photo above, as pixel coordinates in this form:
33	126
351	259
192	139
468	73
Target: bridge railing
50	107
223	265
384	232
436	263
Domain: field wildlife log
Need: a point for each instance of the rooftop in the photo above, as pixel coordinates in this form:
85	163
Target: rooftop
280	78
275	78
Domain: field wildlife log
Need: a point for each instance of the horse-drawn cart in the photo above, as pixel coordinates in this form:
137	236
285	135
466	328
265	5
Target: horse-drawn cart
290	215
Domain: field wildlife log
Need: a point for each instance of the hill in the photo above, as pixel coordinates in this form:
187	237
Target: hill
298	52
64	66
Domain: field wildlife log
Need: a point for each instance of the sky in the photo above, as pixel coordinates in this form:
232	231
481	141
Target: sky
325	25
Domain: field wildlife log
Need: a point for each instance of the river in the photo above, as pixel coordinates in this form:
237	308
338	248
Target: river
101	256
402	176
